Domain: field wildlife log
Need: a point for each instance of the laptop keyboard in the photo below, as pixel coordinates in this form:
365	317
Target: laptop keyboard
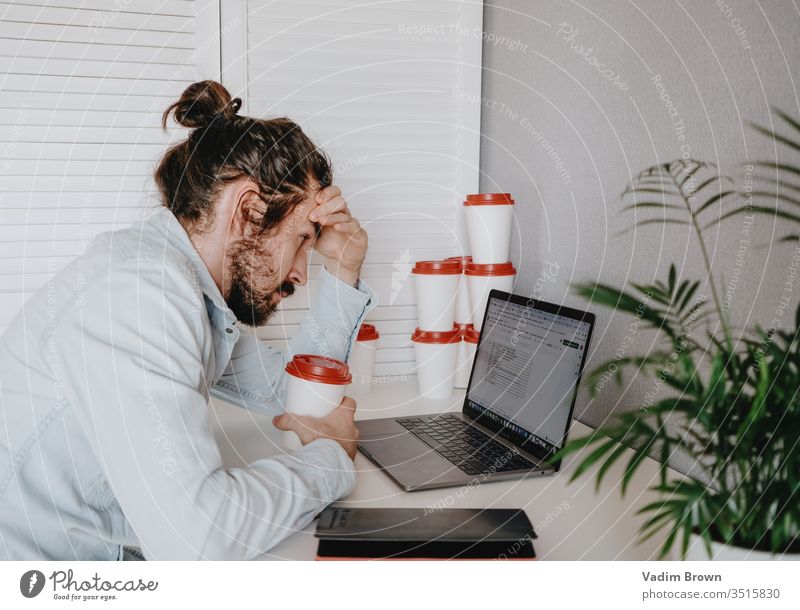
468	448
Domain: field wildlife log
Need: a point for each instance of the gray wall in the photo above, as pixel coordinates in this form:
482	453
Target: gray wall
566	139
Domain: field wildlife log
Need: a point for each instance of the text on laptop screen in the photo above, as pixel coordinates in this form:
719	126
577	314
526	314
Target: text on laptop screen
526	367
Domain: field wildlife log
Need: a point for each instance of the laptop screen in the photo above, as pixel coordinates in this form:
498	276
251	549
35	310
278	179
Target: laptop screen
526	370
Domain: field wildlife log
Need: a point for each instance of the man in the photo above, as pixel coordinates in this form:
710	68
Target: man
105	375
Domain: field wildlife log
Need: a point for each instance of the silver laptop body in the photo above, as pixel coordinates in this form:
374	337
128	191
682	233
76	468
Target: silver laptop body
517	408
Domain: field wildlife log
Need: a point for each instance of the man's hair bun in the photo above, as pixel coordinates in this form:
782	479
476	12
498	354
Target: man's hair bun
200	104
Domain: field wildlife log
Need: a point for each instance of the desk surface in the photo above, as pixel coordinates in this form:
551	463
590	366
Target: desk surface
573	521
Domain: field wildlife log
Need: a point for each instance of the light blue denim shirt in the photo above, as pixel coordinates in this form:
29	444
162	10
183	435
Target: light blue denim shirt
105	436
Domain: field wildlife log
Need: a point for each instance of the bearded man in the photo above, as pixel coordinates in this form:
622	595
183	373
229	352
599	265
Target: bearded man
107	449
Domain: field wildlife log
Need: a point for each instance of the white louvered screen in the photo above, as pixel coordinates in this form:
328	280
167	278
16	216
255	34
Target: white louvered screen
389	90
83	84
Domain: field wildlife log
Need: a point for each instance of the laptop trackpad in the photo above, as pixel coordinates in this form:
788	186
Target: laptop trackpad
408	460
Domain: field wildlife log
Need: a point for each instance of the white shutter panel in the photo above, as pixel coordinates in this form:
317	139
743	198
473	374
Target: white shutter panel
390	90
83	84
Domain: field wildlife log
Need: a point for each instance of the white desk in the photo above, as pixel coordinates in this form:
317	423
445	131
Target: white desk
571	520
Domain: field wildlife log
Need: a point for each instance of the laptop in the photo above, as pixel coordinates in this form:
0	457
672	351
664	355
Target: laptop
517	408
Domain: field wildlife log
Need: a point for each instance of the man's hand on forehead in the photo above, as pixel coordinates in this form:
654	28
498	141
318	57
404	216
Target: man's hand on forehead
331	209
341	239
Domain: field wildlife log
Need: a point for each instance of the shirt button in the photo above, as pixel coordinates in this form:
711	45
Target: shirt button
229	330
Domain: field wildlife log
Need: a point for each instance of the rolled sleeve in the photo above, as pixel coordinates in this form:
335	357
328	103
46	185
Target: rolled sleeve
255	378
337	308
131	368
328	456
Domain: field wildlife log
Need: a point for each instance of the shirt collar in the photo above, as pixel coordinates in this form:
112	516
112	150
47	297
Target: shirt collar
166	222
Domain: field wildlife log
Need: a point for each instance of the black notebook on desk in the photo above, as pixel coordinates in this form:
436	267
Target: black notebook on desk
411	533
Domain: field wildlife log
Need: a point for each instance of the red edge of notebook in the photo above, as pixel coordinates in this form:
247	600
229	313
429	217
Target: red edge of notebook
325	558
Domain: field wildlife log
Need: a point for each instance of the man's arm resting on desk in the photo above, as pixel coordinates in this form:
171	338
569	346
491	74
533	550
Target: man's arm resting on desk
130	366
255	378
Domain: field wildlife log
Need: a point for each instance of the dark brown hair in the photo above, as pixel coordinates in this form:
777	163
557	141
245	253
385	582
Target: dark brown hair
224	146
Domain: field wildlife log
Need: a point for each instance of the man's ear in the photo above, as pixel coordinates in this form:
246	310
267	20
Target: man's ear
249	209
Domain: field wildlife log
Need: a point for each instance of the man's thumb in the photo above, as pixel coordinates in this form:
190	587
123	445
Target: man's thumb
283	421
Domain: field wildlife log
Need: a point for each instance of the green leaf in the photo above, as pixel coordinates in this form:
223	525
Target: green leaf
710	181
654	292
654	524
592	458
688	296
676	299
651	204
787	118
653	221
754	209
687	535
690	172
712	201
609	462
635	462
760	396
670	540
776	196
660	504
579	443
791	169
777	137
602	294
633	189
778	181
672	277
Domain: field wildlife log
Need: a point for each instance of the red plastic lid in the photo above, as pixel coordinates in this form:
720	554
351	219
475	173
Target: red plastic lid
493	269
489	199
447	267
436	336
463	260
320	369
367	332
471	335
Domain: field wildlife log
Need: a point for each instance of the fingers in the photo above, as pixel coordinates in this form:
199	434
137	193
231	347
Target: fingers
348	403
283	421
335	218
329	192
303	426
323	210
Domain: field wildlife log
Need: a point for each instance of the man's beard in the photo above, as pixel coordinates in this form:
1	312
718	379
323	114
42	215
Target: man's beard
250	306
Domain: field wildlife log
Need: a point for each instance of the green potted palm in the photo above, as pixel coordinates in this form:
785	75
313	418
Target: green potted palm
731	401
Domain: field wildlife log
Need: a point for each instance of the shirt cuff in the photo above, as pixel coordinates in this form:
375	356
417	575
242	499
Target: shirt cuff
347	293
350	304
325	454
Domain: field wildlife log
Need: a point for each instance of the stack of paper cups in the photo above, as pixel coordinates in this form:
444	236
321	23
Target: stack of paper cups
462	314
362	359
316	387
436	285
483	278
437	352
466	354
488	217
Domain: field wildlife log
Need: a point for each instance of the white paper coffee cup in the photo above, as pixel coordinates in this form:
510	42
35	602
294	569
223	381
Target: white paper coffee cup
316	387
436	352
489	217
462	313
436	284
483	278
362	359
466	354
